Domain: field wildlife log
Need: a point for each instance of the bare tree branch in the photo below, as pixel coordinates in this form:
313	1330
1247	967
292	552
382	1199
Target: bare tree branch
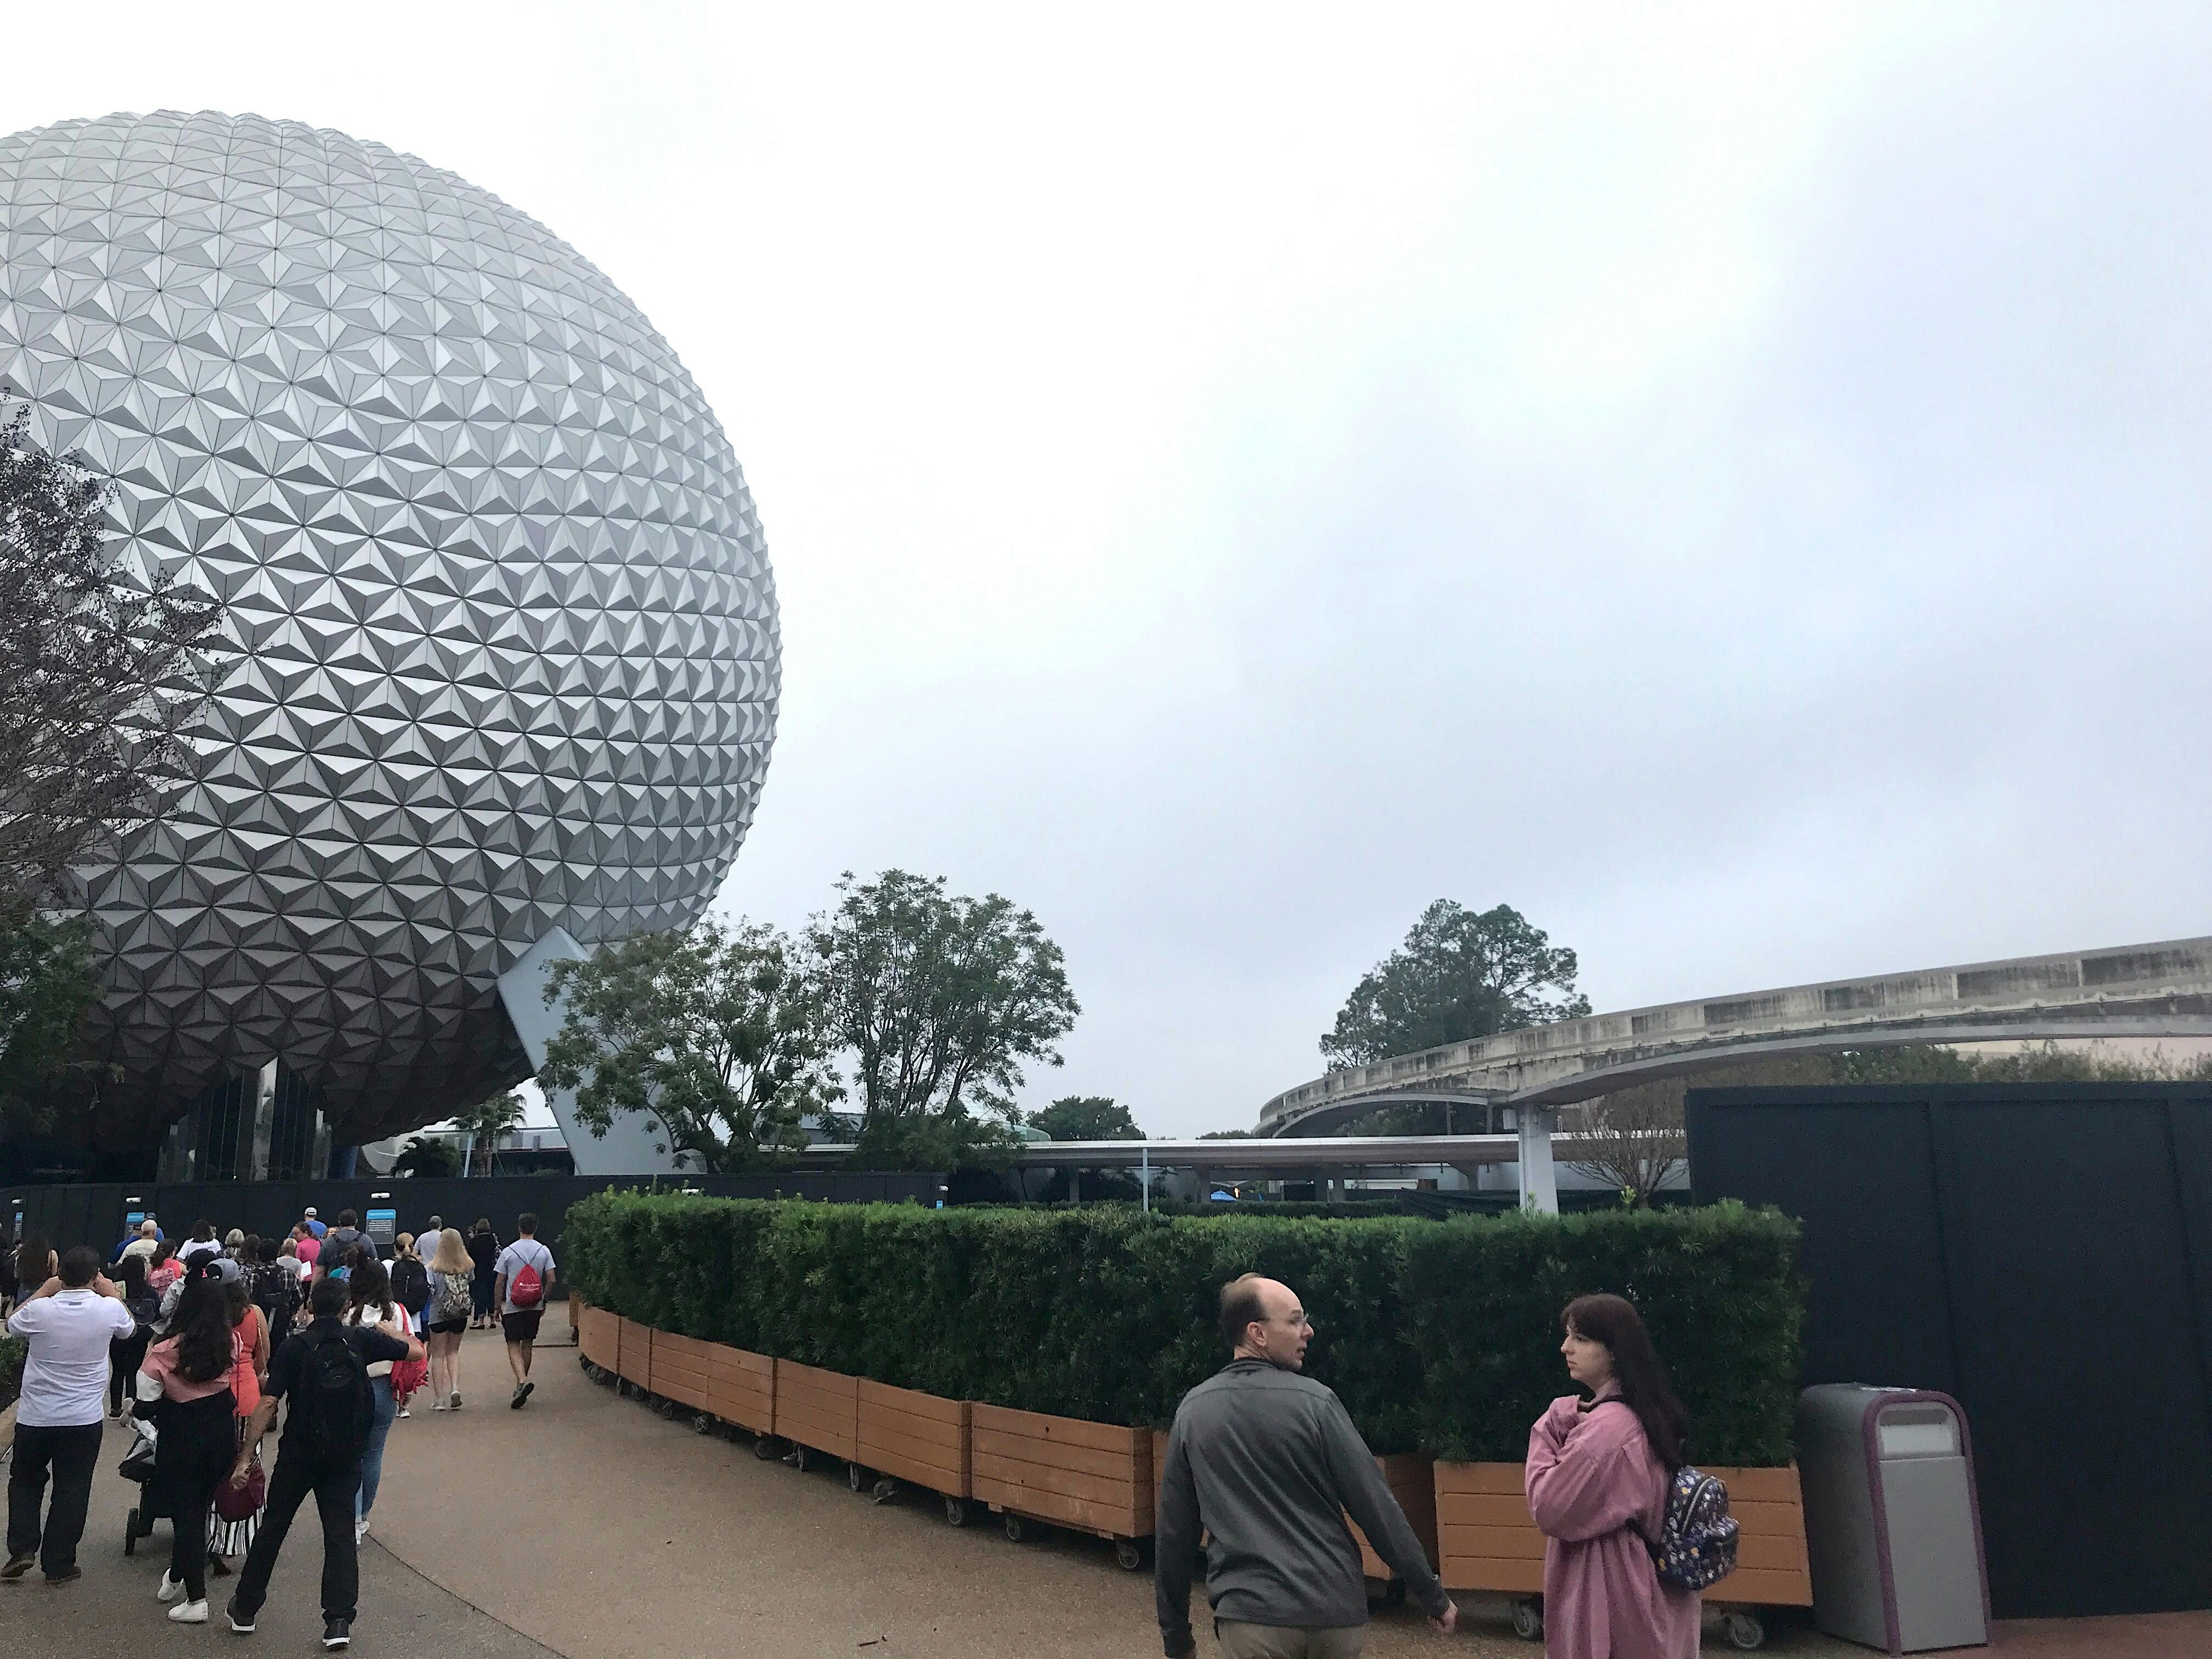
1634	1139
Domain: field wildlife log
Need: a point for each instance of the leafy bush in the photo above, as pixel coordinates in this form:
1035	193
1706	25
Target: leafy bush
1439	1335
12	1349
1718	1287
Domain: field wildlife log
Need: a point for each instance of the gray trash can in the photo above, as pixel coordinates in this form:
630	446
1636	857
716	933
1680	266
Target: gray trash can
1892	1526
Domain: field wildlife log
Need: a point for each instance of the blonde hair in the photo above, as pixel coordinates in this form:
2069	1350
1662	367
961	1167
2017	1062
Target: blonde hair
452	1254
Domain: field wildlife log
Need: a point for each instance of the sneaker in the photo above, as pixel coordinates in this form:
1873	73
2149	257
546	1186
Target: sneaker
528	1385
336	1632
522	1393
454	1404
403	1412
17	1567
189	1612
172	1588
361	1529
441	1406
240	1622
66	1576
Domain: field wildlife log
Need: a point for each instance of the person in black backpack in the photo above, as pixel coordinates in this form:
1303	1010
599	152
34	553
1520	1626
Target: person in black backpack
323	1372
274	1287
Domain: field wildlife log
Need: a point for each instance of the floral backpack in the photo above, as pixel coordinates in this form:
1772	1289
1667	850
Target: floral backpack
1696	1545
452	1300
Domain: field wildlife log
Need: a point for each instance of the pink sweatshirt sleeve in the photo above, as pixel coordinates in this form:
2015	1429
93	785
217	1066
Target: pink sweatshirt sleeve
1585	1483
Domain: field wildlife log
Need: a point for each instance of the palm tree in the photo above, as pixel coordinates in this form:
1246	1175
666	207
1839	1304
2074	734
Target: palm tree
485	1122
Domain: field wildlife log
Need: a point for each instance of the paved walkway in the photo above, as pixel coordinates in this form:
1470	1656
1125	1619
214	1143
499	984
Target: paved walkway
647	1539
585	1526
111	1609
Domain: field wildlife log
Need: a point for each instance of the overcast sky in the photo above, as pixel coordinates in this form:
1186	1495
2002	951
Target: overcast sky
1734	488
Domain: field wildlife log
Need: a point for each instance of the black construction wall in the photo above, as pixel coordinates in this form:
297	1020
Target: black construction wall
2041	1252
94	1214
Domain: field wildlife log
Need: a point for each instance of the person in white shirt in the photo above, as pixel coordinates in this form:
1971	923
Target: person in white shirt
202	1243
522	1279
68	1321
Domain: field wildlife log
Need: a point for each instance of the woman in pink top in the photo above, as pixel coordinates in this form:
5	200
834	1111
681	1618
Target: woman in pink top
189	1376
1598	1474
163	1269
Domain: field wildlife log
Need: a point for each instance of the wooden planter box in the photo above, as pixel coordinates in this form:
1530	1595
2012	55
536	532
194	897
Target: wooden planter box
598	1334
679	1369
1091	1476
741	1386
915	1436
633	1353
1487	1541
1412	1482
818	1409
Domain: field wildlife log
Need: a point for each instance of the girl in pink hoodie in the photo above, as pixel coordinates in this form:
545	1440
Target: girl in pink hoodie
1598	1473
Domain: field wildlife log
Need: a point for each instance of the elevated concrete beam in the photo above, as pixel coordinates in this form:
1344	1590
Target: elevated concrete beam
2157	990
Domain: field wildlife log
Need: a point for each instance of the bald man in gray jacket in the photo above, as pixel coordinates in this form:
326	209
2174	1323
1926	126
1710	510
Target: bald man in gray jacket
1267	1463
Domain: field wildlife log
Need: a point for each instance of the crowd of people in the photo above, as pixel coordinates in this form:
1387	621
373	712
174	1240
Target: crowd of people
1263	1465
196	1345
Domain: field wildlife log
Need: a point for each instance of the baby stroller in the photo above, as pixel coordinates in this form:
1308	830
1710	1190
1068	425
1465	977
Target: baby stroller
138	1466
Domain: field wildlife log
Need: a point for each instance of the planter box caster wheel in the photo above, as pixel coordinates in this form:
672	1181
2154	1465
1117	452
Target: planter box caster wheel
703	1424
956	1511
856	1478
1743	1629
796	1457
882	1491
1020	1528
1128	1554
764	1447
1528	1618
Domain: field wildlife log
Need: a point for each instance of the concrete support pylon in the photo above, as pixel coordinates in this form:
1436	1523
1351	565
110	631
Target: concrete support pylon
1539	1181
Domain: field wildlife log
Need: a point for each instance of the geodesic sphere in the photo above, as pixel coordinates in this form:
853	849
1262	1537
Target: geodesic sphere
509	643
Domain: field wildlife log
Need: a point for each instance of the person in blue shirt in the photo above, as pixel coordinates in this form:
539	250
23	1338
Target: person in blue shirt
313	1225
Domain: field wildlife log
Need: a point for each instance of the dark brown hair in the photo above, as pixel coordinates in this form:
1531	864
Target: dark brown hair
1240	1306
1637	1371
202	1328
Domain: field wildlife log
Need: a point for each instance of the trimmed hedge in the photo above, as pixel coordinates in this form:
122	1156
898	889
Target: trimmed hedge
1439	1336
1718	1287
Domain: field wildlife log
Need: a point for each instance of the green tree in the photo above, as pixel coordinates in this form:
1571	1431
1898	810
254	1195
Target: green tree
486	1122
104	671
428	1158
714	1036
1460	974
1086	1117
939	1000
48	979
